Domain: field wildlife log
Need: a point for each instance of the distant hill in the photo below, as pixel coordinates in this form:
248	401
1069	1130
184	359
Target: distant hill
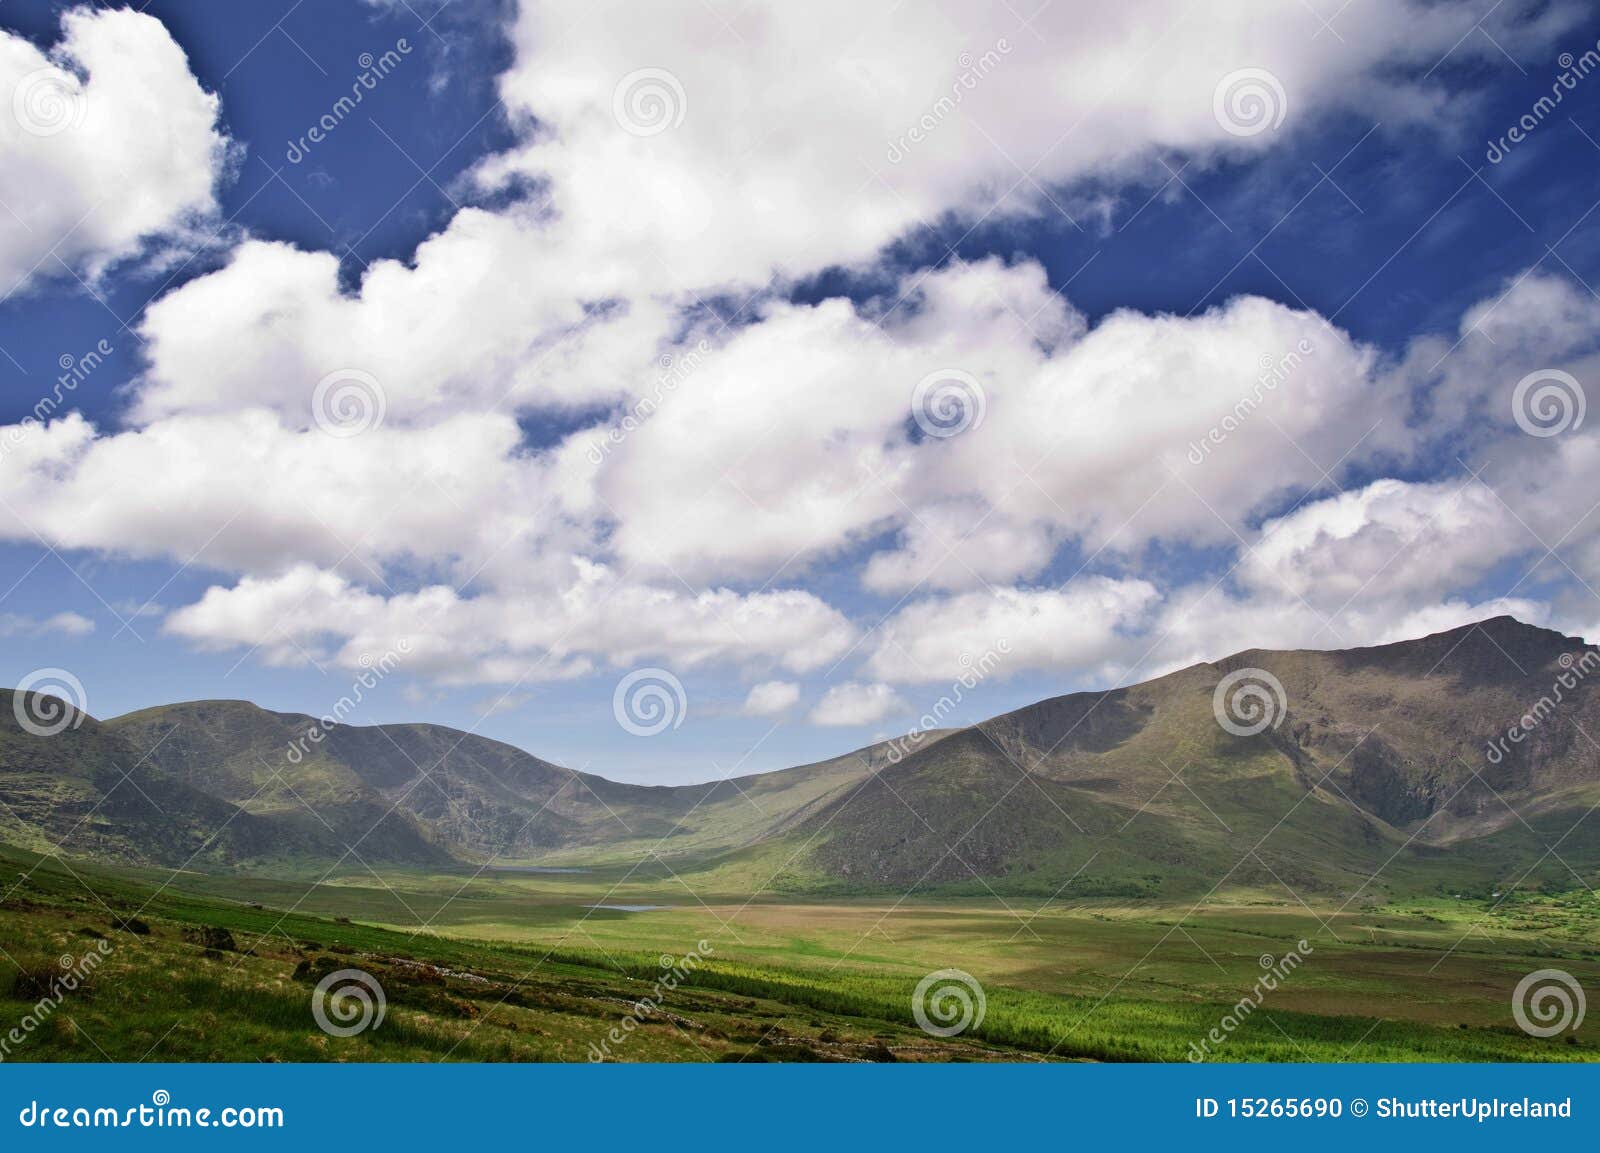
457	793
89	791
1379	760
1391	761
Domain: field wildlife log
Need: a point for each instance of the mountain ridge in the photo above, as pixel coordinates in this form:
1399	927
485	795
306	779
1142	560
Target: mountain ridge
1372	754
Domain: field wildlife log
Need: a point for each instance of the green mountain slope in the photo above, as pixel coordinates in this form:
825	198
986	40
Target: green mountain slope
1386	767
477	798
1379	761
88	791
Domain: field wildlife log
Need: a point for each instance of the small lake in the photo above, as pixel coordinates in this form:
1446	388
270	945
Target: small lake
532	869
629	908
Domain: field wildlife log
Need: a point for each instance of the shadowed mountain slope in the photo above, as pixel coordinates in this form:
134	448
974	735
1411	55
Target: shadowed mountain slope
89	791
1380	758
478	798
1459	760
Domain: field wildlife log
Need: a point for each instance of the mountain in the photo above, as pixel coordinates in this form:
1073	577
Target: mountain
1380	758
88	791
1459	760
476	798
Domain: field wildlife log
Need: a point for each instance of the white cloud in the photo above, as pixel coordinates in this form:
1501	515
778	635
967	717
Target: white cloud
791	443
498	637
71	623
788	445
1396	558
856	704
771	699
1076	629
777	130
1399	539
1112	437
1453	614
960	545
564	299
68	623
1464	384
1205	624
104	143
779	446
491	314
256	496
796	431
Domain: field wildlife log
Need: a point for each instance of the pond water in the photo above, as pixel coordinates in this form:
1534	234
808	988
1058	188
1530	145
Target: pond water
629	908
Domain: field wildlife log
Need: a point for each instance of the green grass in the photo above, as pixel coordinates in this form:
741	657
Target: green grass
512	966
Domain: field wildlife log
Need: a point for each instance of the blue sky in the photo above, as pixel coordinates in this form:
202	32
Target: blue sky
1370	217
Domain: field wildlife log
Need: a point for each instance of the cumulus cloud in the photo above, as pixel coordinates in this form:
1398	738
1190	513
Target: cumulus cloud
856	704
256	496
793	441
1200	624
1079	627
562	297
771	699
501	637
727	139
492	313
1410	540
107	141
960	544
797	429
67	623
736	461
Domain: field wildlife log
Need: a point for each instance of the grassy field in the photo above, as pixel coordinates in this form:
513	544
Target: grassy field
521	966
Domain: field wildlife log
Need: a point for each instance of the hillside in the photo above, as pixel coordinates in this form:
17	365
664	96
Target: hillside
1378	764
1378	761
88	791
476	798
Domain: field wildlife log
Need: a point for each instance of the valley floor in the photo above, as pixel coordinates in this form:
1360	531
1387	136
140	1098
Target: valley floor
533	966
